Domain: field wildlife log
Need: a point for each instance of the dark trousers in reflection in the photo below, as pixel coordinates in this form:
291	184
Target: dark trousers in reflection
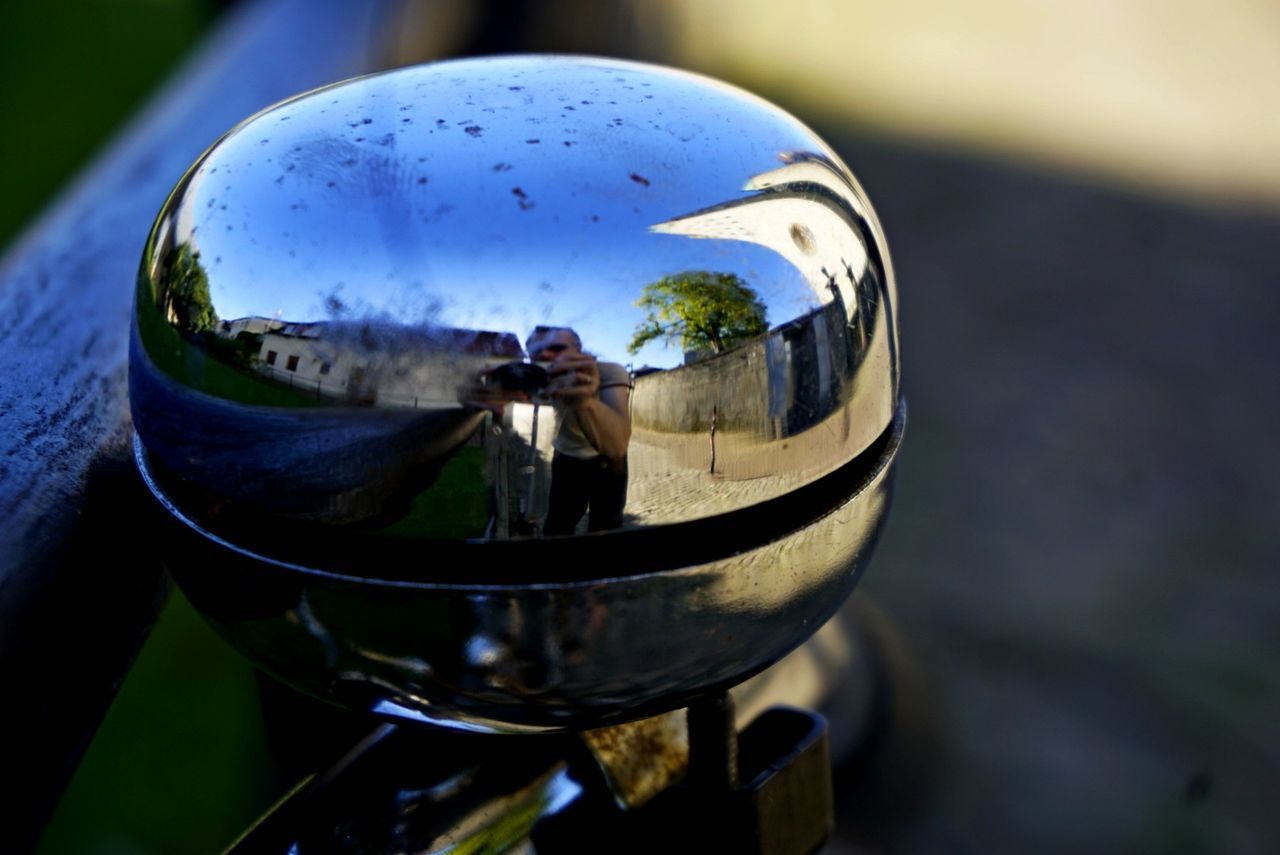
577	485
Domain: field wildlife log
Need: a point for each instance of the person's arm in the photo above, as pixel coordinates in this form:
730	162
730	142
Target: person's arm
606	422
605	414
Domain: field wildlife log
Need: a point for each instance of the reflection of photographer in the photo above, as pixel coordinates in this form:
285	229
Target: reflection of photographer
593	429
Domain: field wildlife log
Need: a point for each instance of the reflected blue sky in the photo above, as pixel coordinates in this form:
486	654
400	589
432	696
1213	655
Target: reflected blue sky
520	193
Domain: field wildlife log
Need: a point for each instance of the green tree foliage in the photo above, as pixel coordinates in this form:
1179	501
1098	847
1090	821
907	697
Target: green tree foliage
188	295
703	310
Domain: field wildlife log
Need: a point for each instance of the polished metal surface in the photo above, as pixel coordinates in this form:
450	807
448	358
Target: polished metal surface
327	292
518	394
526	656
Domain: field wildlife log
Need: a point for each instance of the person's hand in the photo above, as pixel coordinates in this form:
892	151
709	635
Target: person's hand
575	378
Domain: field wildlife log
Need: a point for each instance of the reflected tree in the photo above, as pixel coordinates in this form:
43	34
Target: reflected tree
187	299
701	309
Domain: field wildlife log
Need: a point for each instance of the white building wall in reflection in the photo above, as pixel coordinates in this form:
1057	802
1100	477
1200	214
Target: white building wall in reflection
349	363
803	211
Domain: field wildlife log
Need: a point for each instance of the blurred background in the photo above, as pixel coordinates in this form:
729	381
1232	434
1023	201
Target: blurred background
1083	203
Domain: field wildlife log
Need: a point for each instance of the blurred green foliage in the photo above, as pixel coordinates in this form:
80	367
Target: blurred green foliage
180	763
70	74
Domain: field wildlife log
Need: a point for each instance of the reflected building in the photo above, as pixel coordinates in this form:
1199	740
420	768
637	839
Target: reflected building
804	212
349	362
247	326
333	421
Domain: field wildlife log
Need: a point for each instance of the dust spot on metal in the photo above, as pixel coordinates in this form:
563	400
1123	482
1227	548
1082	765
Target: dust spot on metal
532	142
522	198
502	167
473	130
639	179
567	143
803	238
422	180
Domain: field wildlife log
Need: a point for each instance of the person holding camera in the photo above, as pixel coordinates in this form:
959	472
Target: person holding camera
593	429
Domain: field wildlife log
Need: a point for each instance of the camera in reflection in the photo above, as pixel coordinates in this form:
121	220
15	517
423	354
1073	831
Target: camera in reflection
530	379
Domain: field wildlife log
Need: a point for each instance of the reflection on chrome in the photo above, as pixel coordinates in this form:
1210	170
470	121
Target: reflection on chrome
517	394
526	657
334	301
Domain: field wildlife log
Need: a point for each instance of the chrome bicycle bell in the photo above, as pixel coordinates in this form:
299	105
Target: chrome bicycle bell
517	393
